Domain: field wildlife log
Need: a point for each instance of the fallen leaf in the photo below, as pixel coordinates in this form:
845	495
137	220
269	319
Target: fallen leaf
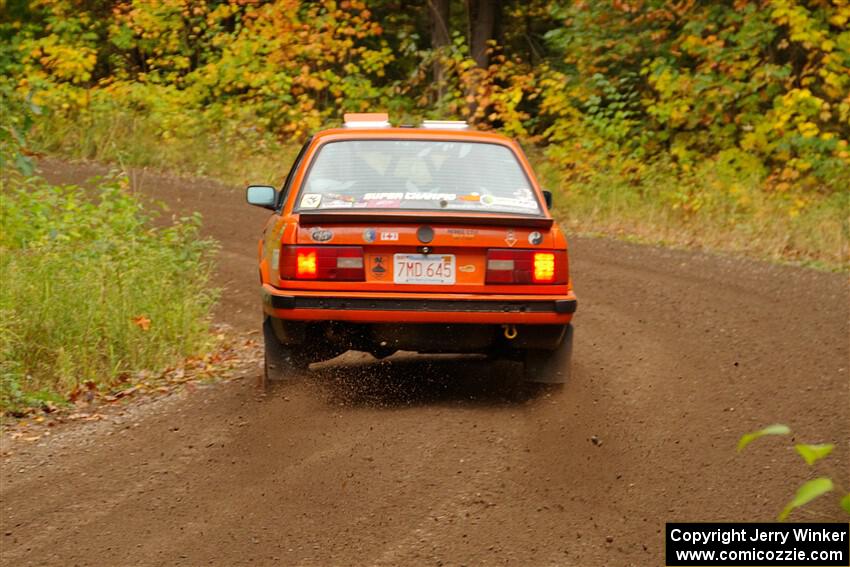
142	322
127	392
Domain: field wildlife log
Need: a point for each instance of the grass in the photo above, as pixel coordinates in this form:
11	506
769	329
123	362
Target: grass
232	155
91	292
705	210
720	204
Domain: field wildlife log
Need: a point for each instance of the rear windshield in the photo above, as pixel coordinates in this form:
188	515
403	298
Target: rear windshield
417	175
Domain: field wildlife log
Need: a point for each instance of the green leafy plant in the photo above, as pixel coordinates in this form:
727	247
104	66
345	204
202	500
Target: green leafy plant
811	454
18	116
91	290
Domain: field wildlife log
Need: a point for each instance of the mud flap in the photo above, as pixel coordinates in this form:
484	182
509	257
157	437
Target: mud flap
550	366
280	362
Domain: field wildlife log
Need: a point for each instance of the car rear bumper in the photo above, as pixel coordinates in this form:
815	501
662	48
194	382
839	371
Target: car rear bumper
417	307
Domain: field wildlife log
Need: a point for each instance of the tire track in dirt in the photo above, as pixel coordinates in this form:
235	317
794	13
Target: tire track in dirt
438	461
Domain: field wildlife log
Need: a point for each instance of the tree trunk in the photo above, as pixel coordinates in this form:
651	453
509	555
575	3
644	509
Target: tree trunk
483	16
438	13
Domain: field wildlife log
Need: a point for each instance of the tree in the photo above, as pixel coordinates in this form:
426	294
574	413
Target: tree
483	17
438	15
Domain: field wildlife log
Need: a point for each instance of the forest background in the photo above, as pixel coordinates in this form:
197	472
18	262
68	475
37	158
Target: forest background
719	124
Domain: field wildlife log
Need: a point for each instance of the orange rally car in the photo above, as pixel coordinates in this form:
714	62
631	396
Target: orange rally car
435	239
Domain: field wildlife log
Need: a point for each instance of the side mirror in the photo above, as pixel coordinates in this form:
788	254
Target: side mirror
261	196
547	196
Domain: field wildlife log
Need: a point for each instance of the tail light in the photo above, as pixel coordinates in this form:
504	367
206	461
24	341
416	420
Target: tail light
340	263
508	266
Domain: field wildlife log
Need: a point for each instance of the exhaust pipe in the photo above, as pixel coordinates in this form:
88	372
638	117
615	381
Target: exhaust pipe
510	332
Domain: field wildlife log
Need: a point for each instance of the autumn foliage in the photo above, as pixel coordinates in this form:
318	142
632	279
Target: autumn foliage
721	102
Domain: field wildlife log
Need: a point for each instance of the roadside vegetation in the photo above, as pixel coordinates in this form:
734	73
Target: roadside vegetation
722	125
90	291
811	454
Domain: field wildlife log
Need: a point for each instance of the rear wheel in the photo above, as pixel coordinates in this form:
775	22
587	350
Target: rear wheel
550	366
280	362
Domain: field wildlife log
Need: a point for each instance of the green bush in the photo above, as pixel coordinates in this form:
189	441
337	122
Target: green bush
91	291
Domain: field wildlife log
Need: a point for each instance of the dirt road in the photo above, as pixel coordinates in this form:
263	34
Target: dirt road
436	462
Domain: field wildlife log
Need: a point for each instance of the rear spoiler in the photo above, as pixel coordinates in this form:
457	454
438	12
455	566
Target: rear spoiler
419	217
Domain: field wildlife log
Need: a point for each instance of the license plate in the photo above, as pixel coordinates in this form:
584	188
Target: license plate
438	269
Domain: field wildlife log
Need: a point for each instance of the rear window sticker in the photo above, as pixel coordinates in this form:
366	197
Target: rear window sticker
311	200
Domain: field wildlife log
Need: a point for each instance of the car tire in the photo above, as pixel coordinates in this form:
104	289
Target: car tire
550	366
280	362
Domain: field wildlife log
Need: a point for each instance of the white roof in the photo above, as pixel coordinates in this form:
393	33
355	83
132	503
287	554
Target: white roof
445	124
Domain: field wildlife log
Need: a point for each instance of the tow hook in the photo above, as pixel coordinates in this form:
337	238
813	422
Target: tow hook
510	332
